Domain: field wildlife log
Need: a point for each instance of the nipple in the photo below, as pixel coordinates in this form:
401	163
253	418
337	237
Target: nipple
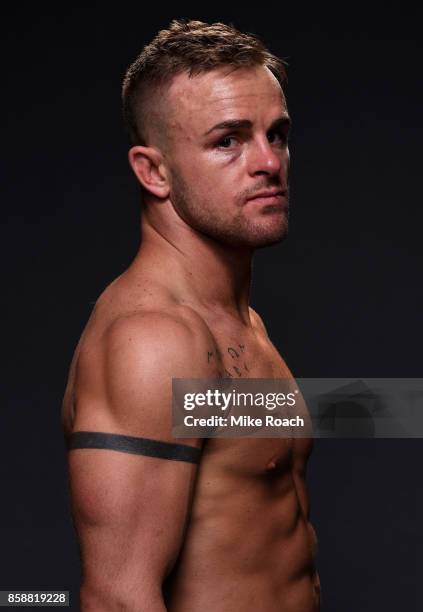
271	465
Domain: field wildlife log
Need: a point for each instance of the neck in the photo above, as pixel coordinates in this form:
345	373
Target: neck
202	271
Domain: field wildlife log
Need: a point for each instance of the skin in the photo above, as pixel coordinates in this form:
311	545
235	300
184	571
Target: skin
231	534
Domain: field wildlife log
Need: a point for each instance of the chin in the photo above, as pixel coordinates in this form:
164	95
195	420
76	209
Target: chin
266	236
246	234
265	241
270	228
257	239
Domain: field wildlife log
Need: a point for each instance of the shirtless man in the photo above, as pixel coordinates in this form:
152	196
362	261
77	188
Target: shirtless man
228	532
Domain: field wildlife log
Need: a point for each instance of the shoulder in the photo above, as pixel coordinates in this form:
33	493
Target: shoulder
257	321
161	343
130	390
148	326
144	351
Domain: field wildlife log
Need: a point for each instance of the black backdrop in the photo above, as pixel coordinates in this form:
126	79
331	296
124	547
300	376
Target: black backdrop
341	297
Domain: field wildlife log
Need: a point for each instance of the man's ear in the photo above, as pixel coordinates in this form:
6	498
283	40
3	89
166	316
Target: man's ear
148	166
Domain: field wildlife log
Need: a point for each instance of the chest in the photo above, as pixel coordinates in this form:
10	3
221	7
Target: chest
256	457
238	353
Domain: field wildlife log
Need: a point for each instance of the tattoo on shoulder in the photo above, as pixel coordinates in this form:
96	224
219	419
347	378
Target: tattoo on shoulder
237	365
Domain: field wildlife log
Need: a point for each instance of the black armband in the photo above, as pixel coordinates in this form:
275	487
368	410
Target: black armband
136	446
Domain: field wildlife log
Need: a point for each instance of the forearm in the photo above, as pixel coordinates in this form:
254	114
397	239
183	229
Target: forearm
116	600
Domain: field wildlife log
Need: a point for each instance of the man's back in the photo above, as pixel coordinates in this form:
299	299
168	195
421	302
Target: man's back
234	532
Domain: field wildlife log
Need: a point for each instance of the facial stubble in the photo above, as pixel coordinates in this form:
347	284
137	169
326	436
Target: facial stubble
202	214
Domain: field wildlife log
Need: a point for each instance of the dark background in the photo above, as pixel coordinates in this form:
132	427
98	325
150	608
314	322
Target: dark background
342	297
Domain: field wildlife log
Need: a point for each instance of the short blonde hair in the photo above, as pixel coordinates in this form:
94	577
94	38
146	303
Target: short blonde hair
193	47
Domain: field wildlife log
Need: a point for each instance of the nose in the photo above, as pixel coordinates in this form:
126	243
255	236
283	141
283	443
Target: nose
263	158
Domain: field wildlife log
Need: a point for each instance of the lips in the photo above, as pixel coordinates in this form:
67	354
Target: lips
270	198
269	193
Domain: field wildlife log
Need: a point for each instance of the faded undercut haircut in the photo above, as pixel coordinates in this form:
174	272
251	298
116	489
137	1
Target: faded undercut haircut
193	47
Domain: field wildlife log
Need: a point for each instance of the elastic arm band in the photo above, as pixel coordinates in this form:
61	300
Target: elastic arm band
136	446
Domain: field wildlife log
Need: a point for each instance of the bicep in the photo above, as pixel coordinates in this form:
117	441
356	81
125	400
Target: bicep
130	512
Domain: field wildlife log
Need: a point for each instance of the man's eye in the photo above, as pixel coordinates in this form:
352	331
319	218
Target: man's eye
227	142
278	137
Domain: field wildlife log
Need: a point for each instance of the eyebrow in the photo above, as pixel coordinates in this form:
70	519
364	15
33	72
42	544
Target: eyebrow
237	124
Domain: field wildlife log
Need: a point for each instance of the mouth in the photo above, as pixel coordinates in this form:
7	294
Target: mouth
278	197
